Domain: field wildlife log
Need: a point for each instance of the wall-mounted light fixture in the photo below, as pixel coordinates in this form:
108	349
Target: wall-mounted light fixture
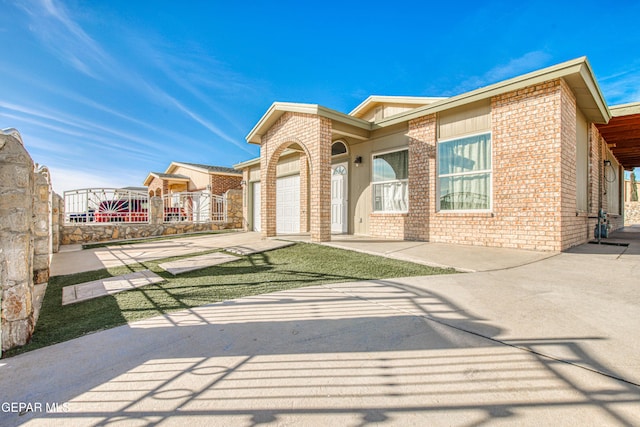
607	162
358	161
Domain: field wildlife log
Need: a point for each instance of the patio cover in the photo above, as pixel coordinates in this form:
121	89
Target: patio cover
622	134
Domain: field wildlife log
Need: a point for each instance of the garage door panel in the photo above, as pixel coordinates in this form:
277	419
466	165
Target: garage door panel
288	205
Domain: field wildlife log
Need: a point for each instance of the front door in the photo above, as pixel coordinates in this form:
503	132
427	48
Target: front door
339	198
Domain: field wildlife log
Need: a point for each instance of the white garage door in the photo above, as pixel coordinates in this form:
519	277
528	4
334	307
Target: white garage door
288	205
256	207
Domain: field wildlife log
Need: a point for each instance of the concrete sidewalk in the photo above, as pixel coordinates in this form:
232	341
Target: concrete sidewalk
73	259
552	342
396	352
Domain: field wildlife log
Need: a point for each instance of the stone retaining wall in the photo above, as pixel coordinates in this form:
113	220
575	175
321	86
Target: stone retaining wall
26	238
103	232
631	213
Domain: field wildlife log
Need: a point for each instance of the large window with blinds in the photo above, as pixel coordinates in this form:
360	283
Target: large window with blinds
464	173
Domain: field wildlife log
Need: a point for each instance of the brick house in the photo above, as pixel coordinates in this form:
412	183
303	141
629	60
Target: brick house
526	163
192	177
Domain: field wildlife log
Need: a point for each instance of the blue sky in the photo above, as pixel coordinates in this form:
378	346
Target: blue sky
103	92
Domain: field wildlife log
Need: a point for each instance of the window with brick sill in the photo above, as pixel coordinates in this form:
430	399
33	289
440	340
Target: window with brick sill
464	173
390	185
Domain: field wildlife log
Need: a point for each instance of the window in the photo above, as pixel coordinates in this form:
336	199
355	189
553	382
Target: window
390	181
582	163
612	181
464	173
338	148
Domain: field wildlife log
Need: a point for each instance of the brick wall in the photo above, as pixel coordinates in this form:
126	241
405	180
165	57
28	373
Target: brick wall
422	154
574	225
156	187
388	225
313	134
527	134
220	184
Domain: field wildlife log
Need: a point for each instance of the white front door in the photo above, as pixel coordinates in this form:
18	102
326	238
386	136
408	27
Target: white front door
257	203
288	205
339	198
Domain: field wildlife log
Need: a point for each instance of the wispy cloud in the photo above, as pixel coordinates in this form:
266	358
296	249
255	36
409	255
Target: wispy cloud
74	45
51	22
622	87
71	124
69	179
528	62
161	94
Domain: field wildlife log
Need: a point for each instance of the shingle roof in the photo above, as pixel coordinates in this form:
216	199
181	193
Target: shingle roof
169	175
210	168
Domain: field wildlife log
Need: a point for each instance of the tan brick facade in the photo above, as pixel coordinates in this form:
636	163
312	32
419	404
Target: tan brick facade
157	187
541	197
313	135
534	206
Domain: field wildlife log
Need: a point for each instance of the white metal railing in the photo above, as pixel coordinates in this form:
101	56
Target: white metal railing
100	205
195	207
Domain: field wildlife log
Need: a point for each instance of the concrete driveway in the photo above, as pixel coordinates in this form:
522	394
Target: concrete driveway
552	342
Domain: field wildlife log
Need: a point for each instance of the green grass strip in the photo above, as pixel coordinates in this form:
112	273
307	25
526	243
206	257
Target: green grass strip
292	267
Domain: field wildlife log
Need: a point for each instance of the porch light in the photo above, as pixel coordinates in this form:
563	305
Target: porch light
358	161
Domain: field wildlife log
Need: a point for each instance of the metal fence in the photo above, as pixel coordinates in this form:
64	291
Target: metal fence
195	207
103	205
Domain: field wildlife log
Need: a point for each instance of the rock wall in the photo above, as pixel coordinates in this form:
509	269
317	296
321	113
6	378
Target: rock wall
631	213
29	234
103	232
16	240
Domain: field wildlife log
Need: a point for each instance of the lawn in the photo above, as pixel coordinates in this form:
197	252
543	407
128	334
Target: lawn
295	266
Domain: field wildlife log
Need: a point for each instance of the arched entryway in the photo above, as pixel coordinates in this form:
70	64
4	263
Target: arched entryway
292	132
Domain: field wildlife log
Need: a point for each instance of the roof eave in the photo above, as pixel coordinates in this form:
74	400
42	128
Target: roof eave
381	99
247	163
577	67
277	109
625	109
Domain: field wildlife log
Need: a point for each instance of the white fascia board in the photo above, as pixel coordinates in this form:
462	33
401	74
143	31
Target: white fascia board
575	67
625	109
277	109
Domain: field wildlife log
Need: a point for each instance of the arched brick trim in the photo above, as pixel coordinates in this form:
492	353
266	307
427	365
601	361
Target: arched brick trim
313	135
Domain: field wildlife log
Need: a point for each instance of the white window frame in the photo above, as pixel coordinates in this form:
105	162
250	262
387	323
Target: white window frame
374	183
478	172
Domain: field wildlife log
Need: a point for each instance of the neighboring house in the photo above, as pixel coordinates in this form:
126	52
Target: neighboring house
182	177
524	163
